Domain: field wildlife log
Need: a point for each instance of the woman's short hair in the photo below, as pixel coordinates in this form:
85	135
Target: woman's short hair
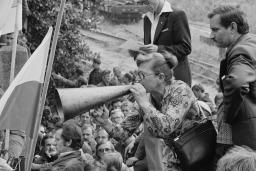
113	161
238	159
165	65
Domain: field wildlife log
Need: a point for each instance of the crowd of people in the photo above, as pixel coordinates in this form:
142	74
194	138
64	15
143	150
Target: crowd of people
135	132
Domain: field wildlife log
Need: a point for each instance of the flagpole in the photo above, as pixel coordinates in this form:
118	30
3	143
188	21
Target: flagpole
46	84
12	70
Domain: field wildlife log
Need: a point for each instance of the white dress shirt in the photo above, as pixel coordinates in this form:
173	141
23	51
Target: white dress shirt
155	19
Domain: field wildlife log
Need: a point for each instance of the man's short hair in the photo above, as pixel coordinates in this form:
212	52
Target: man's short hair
71	131
46	138
198	87
87	126
113	160
229	14
97	61
238	159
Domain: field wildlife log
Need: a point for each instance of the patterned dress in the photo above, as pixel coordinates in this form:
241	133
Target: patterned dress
178	112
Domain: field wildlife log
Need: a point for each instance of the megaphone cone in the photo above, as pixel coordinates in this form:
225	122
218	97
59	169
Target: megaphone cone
72	102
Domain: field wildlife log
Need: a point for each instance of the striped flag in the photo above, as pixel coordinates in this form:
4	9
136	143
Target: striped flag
19	106
8	15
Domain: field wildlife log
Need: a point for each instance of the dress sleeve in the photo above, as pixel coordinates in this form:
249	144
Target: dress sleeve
177	104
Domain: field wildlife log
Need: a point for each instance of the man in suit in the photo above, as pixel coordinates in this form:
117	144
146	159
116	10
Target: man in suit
166	28
237	114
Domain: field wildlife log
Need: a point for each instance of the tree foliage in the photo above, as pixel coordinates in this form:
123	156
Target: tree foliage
70	47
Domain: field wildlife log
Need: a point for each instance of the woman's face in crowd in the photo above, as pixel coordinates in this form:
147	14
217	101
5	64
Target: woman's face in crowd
104	148
102	137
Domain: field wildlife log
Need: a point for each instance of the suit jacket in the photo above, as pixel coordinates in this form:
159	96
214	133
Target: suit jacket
173	35
238	84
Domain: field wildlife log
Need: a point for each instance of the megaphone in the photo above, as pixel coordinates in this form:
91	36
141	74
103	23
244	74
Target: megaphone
72	102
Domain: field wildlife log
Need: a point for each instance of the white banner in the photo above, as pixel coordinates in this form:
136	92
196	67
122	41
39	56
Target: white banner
8	14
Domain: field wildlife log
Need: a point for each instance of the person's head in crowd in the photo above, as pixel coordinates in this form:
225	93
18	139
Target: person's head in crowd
238	159
127	78
41	132
9	39
47	114
198	90
96	63
154	5
85	118
155	70
49	146
101	136
77	120
227	24
117	116
126	107
117	72
113	161
218	99
87	131
106	76
69	137
104	148
116	104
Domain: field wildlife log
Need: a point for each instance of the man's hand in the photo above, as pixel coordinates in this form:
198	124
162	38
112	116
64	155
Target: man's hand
56	76
150	48
131	161
101	114
140	95
128	148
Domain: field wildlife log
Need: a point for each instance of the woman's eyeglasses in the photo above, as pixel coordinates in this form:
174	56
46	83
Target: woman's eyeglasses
145	2
104	150
141	75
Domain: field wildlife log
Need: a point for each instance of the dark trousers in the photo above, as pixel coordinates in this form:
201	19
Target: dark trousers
141	165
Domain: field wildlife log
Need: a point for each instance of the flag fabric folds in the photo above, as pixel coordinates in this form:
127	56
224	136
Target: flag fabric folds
8	15
19	106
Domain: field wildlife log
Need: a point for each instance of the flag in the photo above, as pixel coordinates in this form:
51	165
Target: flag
19	106
8	15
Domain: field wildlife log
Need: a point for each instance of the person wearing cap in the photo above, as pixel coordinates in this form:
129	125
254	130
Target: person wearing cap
95	76
69	141
166	28
171	102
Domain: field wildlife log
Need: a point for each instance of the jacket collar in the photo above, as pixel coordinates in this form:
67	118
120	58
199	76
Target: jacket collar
162	19
166	8
231	47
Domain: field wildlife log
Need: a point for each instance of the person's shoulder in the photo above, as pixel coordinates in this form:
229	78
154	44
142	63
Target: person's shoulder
178	12
179	83
74	164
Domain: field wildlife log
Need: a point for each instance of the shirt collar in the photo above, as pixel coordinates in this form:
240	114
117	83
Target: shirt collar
166	8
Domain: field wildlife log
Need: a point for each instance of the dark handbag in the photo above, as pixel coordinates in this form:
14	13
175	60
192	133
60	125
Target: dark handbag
195	148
